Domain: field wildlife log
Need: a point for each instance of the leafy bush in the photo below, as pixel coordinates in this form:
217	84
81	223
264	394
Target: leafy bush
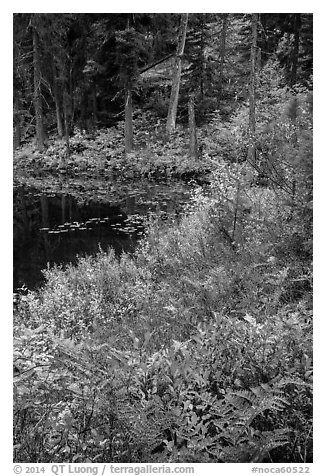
197	348
206	399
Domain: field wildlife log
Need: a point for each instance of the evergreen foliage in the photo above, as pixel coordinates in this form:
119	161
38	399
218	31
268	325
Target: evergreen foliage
198	347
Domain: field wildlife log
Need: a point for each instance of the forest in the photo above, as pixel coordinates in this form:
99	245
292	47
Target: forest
163	202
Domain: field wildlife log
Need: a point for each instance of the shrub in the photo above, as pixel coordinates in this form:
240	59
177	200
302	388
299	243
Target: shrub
197	348
233	392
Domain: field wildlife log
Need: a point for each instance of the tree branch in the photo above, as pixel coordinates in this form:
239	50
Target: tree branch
146	68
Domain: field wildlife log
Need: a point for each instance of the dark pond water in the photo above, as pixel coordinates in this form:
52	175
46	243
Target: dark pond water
56	221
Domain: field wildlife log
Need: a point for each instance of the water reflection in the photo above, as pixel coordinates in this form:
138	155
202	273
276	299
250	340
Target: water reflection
56	228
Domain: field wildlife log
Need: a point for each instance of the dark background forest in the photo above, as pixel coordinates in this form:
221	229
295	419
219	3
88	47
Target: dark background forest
196	347
73	70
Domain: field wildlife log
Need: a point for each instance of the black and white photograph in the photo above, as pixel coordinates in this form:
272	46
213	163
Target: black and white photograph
162	240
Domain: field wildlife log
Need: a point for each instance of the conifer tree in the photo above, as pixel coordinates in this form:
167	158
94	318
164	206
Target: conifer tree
40	130
295	50
193	145
222	52
172	113
129	46
252	90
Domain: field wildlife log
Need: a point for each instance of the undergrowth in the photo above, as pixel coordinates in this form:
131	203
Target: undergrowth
198	348
102	152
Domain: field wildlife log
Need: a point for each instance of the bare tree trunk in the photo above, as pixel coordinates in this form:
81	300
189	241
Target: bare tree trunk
193	145
94	105
173	105
66	101
202	54
128	123
40	131
83	125
252	90
17	120
71	94
57	103
295	53
59	119
236	210
222	52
